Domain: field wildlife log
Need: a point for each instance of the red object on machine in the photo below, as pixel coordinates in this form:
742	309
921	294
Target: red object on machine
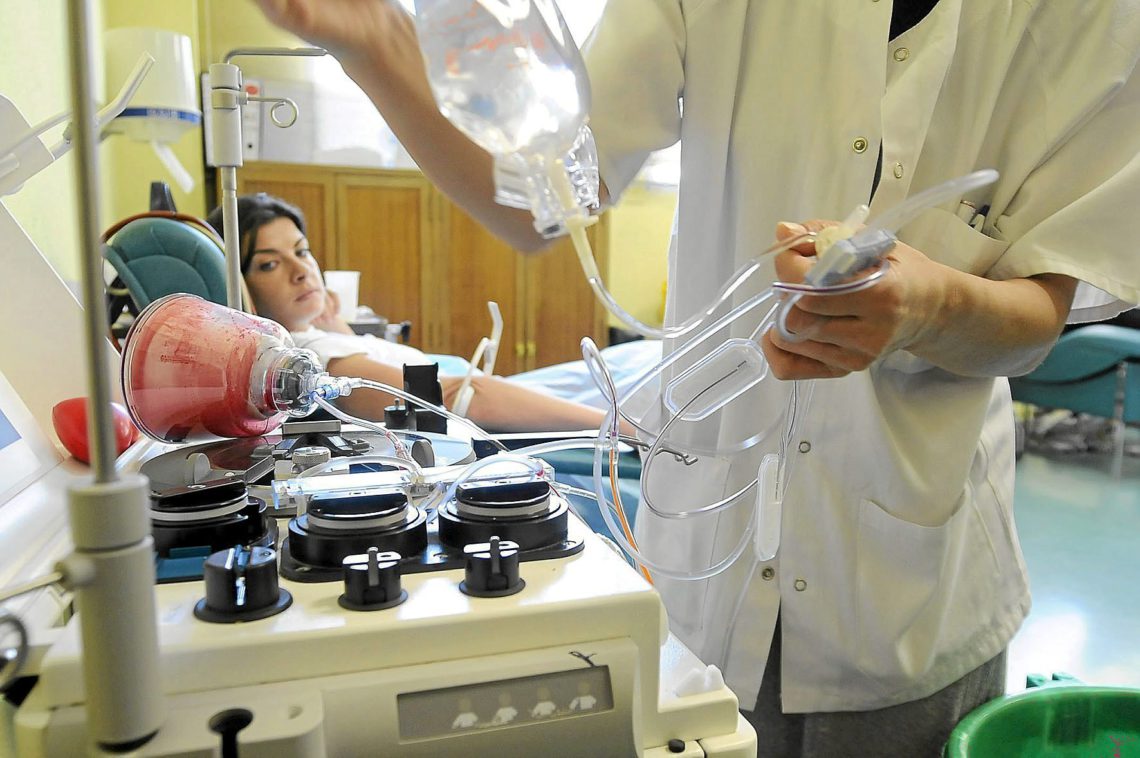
191	371
69	417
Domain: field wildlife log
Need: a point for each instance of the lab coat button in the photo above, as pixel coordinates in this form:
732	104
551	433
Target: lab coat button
768	573
800	585
805	446
898	171
859	145
901	54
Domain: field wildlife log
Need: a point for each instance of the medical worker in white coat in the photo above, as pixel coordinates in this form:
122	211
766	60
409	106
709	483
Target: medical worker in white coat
899	580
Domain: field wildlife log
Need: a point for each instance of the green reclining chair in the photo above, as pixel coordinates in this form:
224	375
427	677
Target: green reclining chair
157	254
1094	370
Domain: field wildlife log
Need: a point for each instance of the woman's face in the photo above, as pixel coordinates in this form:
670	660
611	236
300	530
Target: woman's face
283	276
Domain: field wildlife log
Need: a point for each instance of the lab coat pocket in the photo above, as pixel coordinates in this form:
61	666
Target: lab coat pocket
900	609
943	237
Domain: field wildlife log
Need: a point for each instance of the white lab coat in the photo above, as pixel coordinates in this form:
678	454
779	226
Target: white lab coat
899	568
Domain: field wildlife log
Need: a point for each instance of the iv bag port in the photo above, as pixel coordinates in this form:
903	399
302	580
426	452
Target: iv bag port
716	380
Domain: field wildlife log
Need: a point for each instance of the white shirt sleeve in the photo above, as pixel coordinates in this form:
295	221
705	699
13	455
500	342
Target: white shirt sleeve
635	61
1074	212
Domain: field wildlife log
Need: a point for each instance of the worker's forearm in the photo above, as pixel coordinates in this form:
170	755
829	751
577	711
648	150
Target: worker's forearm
981	327
392	74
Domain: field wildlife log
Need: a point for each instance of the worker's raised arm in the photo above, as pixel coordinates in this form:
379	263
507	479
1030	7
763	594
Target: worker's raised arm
375	42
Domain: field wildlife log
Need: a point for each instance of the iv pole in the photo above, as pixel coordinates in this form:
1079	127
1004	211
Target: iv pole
227	96
112	569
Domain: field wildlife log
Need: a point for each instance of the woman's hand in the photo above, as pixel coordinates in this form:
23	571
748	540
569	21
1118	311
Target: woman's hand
330	320
845	333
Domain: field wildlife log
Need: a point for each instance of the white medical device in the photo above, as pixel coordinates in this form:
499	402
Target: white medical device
577	657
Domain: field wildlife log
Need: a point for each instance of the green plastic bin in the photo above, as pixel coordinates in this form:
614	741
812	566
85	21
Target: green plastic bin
1063	721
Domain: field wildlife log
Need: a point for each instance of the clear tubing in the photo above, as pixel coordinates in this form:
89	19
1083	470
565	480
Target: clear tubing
793	293
704	510
555	446
410	398
656	371
607	439
895	218
409	465
569	489
630	550
531	464
397	444
594	278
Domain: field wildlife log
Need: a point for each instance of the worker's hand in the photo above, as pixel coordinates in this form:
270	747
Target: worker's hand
346	28
845	333
330	320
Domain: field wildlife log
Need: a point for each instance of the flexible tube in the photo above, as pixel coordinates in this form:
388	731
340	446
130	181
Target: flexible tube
397	444
895	218
606	439
594	279
387	460
640	557
794	292
659	369
355	383
531	464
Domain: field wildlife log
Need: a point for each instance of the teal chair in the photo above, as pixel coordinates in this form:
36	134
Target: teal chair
1093	370
159	255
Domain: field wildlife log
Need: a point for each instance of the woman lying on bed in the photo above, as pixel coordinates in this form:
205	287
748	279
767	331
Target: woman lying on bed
286	285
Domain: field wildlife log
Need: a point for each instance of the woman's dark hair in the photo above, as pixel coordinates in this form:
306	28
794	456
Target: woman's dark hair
254	212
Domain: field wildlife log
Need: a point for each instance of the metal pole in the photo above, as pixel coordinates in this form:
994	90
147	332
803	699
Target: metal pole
100	429
228	177
112	568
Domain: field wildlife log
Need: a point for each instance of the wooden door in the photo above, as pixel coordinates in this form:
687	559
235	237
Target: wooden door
384	225
474	267
310	188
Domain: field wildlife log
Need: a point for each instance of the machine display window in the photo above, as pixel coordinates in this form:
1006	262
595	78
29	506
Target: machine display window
507	702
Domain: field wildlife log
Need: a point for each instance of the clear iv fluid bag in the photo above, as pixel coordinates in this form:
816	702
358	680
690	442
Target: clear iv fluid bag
508	75
193	369
506	72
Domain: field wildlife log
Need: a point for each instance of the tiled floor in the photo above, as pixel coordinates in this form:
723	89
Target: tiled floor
1080	532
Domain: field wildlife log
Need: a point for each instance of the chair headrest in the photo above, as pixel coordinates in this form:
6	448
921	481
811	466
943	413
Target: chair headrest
156	257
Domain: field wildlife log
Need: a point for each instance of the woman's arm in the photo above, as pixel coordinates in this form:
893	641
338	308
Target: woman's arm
497	405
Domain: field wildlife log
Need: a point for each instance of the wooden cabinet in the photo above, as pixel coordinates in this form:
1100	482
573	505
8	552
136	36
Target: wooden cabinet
425	260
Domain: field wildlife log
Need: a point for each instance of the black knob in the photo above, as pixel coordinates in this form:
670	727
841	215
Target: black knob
492	569
241	585
676	746
399	417
372	581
